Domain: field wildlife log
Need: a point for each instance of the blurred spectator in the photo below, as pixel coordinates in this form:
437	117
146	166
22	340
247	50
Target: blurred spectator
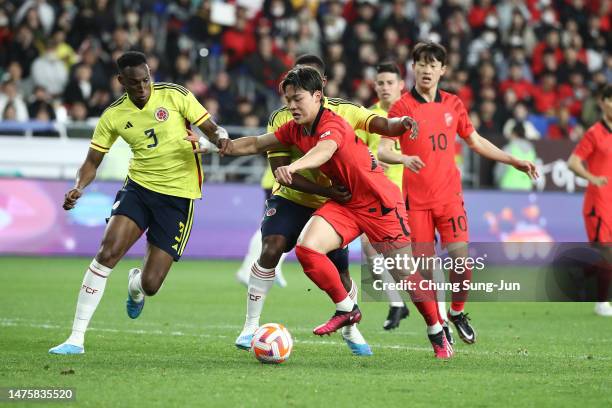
10	98
48	71
264	66
520	116
545	96
23	50
516	82
563	127
40	107
507	177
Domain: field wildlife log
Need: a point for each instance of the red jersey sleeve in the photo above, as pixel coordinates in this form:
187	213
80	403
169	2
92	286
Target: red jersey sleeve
585	147
464	124
284	134
335	133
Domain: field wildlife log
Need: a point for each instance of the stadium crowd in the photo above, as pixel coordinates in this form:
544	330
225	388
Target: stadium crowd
535	63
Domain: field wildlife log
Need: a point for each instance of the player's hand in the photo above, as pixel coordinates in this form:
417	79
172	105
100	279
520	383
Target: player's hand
414	163
194	138
599	181
225	146
71	198
412	125
283	175
527	167
339	193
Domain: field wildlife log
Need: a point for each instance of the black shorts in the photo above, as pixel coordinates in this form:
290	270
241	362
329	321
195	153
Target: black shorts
286	218
167	219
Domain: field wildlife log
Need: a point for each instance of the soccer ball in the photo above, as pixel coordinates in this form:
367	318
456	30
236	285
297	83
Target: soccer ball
272	343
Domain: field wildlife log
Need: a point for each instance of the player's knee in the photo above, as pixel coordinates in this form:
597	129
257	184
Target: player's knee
109	255
272	249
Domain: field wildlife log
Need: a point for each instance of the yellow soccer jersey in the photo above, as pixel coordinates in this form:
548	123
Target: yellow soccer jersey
267	180
356	115
395	171
163	162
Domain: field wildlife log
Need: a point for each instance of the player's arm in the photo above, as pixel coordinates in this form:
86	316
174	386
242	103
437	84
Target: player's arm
85	175
487	149
575	164
387	154
393	126
301	183
215	134
243	146
314	158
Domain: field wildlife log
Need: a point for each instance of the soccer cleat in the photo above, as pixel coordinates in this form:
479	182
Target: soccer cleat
67	349
603	309
338	320
133	307
463	326
448	332
355	341
442	349
396	314
244	339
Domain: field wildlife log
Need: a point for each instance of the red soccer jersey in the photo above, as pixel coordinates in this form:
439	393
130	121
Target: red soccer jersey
352	164
595	149
439	182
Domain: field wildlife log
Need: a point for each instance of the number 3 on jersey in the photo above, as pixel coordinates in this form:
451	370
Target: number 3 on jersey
151	133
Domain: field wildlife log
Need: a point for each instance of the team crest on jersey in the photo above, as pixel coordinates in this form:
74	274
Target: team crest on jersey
161	114
448	118
270	212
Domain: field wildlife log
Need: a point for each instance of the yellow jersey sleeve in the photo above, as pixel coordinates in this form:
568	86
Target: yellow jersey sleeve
356	115
192	109
277	119
104	134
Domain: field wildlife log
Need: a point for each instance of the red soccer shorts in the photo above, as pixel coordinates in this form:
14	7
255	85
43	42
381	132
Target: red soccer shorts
386	229
450	220
598	226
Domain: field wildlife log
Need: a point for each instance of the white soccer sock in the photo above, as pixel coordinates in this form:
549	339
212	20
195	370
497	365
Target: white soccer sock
353	334
394	297
135	287
260	283
345	305
454	312
279	266
90	294
436	328
354	291
251	256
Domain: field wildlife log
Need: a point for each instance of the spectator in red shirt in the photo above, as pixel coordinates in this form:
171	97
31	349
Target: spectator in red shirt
516	82
545	95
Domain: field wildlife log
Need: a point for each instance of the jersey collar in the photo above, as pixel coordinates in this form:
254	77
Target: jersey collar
420	99
313	128
605	125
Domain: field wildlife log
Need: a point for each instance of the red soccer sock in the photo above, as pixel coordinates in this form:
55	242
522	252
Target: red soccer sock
322	272
459	298
424	300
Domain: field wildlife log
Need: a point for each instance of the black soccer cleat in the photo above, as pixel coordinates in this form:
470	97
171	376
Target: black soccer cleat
464	328
449	334
396	313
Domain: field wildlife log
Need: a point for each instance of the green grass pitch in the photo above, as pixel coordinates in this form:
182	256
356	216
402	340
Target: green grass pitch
180	351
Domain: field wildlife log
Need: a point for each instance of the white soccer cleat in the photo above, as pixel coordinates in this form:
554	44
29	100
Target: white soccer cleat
244	339
67	349
354	339
603	309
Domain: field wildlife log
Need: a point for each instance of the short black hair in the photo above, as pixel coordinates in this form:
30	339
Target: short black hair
605	92
313	61
519	130
303	77
429	51
388	66
131	59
